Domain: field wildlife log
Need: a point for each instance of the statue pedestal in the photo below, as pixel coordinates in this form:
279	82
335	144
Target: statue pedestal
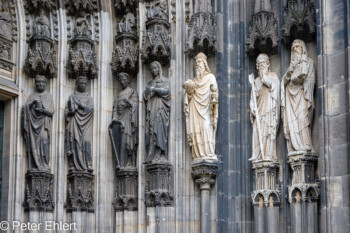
204	173
39	191
159	183
80	191
266	196
126	197
303	193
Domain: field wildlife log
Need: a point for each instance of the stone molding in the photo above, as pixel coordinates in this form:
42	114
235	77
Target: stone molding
38	195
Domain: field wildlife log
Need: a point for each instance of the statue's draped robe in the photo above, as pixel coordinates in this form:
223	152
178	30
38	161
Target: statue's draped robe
157	118
200	115
79	132
37	130
127	115
268	103
297	105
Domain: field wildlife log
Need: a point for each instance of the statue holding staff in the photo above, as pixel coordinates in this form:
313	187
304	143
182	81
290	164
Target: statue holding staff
264	106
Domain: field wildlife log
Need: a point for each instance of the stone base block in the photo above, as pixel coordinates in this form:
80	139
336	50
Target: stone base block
80	191
126	197
39	191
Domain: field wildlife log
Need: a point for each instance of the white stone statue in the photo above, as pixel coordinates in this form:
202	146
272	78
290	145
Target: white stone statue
201	110
297	100
264	110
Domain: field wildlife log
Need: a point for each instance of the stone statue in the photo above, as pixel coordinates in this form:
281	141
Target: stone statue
79	113
264	106
127	24
36	126
297	100
124	126
5	20
201	110
157	98
42	24
158	10
83	27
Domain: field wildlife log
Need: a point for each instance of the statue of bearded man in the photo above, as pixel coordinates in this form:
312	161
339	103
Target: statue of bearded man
264	106
201	110
297	100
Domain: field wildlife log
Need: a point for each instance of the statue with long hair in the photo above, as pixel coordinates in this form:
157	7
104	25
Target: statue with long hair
297	97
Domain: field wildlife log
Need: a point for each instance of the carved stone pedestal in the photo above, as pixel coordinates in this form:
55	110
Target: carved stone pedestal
159	184
303	193
39	191
80	191
204	173
266	197
126	191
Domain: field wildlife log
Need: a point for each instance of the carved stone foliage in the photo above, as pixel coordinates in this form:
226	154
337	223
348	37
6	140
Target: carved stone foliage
39	191
263	30
7	26
201	34
82	58
299	20
126	197
204	173
81	7
267	190
80	190
41	58
156	41
159	184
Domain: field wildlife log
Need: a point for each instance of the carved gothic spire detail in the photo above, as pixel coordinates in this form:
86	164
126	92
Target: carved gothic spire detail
299	20
263	30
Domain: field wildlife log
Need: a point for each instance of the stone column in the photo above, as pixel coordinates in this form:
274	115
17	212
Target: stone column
303	193
204	174
266	197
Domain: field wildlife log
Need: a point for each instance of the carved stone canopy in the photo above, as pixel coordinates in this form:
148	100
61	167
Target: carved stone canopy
81	7
125	56
156	41
263	34
201	34
299	20
41	58
123	6
82	59
34	5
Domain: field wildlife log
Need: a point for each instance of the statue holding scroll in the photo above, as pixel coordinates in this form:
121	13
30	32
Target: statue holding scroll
201	110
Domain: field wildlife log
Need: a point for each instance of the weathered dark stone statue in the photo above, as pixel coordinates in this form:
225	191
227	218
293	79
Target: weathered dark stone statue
42	24
123	129
36	126
79	114
157	98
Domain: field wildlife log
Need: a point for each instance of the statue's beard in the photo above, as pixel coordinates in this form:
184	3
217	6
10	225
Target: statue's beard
199	72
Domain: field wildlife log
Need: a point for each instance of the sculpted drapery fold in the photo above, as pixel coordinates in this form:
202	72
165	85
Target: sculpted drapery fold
36	125
79	114
264	106
201	110
297	100
157	98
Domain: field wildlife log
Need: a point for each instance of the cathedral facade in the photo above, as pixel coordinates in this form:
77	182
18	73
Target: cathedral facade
169	116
